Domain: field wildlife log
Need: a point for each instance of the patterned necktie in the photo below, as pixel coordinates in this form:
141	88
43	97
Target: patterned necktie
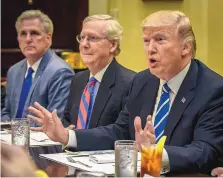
85	103
27	83
162	112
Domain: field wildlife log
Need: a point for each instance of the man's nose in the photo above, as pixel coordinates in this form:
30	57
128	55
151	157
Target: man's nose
151	47
85	41
28	37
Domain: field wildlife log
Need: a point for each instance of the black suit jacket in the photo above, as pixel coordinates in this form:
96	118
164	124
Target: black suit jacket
110	98
194	128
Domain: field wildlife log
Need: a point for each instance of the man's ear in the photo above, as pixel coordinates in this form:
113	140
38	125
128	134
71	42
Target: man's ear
186	49
114	45
49	38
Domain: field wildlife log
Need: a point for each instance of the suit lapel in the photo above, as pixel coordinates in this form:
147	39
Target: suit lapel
20	76
103	94
149	97
79	85
45	60
183	98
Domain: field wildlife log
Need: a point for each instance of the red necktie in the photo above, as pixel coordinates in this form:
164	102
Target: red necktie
85	102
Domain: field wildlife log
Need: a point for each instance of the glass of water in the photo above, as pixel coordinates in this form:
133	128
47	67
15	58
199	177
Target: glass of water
126	158
20	132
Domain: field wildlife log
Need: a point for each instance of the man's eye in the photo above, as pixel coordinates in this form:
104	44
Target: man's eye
82	37
160	38
22	34
92	38
34	33
146	41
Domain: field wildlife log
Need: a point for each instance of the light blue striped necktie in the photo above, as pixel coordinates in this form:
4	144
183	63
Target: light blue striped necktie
162	112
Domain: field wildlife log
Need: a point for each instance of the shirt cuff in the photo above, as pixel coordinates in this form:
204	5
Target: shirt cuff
72	141
165	162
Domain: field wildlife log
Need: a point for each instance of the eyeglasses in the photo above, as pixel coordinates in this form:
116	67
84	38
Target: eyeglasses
93	39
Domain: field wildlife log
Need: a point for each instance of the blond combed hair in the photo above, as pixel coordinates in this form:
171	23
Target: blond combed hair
113	28
177	18
46	22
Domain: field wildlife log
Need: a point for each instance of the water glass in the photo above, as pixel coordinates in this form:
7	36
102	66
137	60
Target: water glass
126	158
20	132
91	174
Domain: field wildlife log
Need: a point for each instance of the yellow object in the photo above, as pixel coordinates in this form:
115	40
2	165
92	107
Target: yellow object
40	173
74	59
151	158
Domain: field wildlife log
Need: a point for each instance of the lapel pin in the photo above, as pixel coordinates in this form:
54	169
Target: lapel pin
183	100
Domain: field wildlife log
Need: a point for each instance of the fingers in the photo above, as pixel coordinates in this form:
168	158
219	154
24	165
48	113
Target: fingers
39	129
35	119
137	124
55	118
71	127
44	111
217	171
149	125
36	112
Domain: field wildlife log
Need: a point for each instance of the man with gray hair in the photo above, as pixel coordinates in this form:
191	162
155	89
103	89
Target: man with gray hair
98	94
178	96
42	76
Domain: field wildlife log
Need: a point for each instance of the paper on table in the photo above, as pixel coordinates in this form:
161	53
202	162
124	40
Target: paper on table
108	169
8	138
39	136
106	158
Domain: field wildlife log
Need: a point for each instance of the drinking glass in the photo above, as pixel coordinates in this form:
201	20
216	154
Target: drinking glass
20	132
126	158
90	174
151	158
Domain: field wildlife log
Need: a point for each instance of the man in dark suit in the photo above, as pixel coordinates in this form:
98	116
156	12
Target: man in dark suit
98	49
178	97
42	76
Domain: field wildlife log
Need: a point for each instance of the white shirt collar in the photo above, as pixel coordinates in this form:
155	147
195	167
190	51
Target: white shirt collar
100	74
34	66
175	83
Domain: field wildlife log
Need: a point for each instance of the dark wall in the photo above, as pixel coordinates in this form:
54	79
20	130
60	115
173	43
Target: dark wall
67	17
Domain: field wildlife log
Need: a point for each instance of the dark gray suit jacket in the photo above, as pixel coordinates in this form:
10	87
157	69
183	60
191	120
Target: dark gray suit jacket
194	128
110	98
50	87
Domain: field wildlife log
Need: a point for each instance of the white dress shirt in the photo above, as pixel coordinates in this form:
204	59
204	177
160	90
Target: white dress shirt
174	84
34	67
72	142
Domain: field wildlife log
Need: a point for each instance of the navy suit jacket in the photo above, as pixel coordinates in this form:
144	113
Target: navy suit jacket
110	99
194	128
50	87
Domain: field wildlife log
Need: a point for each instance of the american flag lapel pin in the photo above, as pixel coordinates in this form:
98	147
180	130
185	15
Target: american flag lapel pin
183	100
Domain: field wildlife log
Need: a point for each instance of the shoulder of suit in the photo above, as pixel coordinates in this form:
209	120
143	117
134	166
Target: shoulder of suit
57	63
18	65
207	75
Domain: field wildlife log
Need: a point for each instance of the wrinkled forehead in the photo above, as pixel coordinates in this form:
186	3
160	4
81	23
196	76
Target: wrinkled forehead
149	31
94	27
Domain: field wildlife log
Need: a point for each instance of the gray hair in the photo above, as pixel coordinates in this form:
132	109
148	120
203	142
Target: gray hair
113	28
46	22
168	17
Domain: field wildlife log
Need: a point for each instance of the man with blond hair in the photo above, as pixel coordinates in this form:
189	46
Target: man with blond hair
42	76
178	96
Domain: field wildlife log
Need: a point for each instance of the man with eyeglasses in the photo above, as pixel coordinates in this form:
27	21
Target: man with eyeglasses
97	95
42	76
178	96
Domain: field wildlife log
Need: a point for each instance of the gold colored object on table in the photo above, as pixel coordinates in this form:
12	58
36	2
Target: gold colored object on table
74	59
151	158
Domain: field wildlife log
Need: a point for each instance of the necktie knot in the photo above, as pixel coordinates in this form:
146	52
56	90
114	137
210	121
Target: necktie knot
92	81
166	89
30	71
